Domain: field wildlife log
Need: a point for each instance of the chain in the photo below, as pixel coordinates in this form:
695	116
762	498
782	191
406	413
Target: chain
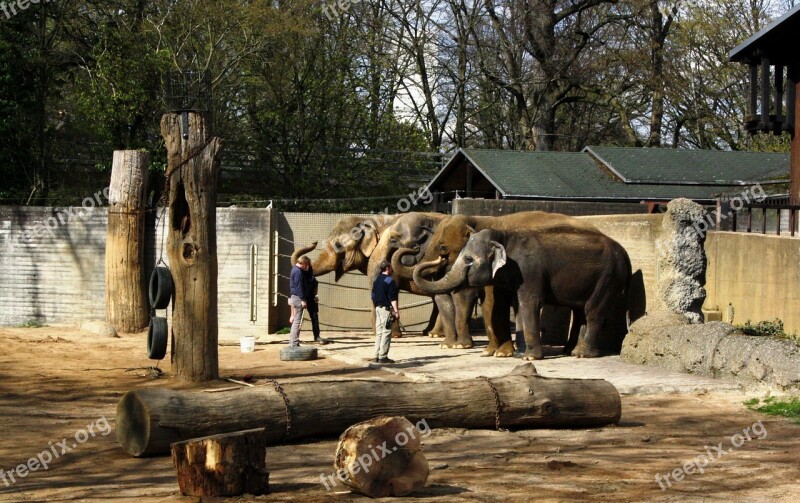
497	404
280	391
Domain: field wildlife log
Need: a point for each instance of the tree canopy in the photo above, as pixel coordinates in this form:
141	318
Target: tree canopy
320	103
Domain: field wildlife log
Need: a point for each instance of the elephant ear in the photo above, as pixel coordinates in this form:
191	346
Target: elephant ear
499	259
369	239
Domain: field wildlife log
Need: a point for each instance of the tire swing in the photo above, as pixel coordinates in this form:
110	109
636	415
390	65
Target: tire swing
159	293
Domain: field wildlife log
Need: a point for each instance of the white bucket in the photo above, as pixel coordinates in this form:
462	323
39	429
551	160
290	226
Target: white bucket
248	343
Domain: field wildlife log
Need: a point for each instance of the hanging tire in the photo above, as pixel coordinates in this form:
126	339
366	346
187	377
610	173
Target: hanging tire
160	291
157	338
299	353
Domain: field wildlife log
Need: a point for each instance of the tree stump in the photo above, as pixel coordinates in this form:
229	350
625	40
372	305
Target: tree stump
381	457
192	176
222	465
126	303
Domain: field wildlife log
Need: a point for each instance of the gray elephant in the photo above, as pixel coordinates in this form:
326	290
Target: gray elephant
411	231
450	237
557	264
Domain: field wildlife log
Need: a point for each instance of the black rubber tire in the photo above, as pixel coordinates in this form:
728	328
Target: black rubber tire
160	291
157	338
300	353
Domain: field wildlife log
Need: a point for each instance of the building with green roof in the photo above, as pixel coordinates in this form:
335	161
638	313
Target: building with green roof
640	176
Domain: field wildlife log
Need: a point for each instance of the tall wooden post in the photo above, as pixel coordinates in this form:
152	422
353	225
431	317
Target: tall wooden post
794	185
192	175
126	305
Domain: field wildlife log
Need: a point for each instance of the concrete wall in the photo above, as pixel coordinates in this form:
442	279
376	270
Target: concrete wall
757	274
53	272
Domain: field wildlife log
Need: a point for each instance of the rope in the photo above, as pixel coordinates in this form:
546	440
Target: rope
282	393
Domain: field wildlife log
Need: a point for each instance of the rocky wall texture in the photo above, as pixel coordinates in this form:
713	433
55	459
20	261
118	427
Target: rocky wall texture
713	349
682	260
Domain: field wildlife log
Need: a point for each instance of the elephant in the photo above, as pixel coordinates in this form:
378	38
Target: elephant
349	245
448	240
411	231
557	264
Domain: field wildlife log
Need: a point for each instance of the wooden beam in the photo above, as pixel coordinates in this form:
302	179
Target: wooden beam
794	189
765	93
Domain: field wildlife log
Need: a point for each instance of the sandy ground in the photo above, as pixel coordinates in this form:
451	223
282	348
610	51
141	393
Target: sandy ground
56	382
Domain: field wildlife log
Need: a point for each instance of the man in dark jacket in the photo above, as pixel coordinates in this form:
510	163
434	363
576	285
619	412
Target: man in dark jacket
299	294
313	305
384	298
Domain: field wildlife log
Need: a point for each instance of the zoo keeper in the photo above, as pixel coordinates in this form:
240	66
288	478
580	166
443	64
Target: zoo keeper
300	291
384	298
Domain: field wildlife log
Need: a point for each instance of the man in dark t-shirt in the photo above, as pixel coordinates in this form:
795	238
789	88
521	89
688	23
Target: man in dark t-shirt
384	299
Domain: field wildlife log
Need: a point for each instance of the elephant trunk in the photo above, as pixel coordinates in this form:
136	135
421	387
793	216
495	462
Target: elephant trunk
452	280
302	251
400	270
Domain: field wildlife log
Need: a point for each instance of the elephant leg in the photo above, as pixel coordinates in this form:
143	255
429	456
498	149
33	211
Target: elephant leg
447	312
486	309
432	321
438	328
596	311
530	308
464	301
501	309
578	320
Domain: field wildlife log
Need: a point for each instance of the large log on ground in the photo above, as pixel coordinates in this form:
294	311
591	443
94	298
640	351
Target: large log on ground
126	306
381	457
222	465
149	420
192	178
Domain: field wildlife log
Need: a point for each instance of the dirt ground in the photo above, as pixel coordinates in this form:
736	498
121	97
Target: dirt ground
56	382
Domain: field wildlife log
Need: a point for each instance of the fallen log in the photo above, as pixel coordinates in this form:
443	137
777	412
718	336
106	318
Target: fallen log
381	457
222	465
149	420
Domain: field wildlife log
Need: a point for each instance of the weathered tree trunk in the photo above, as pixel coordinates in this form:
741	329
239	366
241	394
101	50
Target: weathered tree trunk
222	465
192	175
149	420
381	457
126	303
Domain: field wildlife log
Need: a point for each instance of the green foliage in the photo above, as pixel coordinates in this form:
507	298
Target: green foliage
31	324
284	331
774	407
763	328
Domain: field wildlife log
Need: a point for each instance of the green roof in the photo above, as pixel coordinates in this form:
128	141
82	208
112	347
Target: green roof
679	166
579	175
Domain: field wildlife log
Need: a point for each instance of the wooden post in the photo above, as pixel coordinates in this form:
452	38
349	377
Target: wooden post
222	465
192	175
126	303
149	420
794	192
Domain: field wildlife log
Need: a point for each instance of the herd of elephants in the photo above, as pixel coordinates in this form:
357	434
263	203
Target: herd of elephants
521	261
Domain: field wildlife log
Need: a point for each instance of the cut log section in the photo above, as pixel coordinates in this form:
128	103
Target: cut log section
222	465
149	420
382	457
